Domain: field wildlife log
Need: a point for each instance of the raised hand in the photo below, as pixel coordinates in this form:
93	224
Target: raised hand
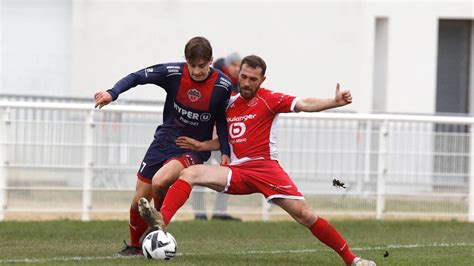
342	97
102	98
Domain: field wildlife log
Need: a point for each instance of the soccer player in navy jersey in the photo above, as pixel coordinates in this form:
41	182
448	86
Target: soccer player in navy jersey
252	115
196	99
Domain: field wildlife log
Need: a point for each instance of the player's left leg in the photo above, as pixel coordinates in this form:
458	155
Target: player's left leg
163	179
169	173
321	229
211	176
151	216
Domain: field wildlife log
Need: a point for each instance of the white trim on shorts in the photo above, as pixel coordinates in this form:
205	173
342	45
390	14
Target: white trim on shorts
229	178
281	196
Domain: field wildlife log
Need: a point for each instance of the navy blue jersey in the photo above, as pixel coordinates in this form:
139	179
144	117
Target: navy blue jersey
191	108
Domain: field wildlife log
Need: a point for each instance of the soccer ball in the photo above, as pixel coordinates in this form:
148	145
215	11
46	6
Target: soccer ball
159	245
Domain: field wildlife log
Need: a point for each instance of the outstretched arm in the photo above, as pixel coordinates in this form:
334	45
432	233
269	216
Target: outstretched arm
196	145
315	104
152	75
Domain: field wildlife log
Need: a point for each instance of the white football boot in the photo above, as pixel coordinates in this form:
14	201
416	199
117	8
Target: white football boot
150	215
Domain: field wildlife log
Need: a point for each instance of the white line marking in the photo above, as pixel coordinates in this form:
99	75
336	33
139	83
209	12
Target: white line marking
249	252
38	260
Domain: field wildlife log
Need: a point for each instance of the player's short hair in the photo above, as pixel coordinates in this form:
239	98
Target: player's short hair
198	48
254	62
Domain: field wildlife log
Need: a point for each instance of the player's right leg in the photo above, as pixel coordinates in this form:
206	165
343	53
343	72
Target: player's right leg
150	215
212	176
162	179
137	225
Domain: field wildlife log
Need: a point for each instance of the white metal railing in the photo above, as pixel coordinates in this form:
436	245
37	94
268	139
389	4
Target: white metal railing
67	157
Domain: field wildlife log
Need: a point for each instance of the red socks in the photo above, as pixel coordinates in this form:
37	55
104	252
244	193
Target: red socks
327	234
177	195
137	227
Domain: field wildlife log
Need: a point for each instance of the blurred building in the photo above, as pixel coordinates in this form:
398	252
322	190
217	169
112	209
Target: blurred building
396	56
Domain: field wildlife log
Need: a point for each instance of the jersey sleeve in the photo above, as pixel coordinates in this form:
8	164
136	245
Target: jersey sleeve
151	75
221	123
280	102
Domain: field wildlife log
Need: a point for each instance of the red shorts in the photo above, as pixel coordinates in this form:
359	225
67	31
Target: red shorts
146	174
261	176
186	160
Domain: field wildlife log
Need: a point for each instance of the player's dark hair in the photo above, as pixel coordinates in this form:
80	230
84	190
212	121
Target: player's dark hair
254	61
198	48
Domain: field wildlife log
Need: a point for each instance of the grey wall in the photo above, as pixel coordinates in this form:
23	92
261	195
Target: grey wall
36	47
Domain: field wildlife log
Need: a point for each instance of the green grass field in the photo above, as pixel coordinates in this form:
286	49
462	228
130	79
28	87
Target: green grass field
239	243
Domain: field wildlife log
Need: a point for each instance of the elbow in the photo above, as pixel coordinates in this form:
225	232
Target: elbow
304	107
300	107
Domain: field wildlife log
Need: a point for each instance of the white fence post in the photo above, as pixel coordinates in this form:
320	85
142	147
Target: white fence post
88	166
382	170
4	124
367	156
471	176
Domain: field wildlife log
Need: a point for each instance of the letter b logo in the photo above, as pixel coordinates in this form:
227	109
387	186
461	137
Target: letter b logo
236	130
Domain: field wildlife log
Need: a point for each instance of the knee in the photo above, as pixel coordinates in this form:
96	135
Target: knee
162	180
160	183
189	175
305	217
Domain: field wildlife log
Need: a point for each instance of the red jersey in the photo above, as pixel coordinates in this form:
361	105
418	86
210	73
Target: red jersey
252	124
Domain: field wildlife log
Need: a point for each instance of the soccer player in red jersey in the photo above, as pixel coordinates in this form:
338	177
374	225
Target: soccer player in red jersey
251	122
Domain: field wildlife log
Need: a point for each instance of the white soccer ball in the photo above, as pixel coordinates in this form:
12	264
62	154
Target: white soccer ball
159	245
